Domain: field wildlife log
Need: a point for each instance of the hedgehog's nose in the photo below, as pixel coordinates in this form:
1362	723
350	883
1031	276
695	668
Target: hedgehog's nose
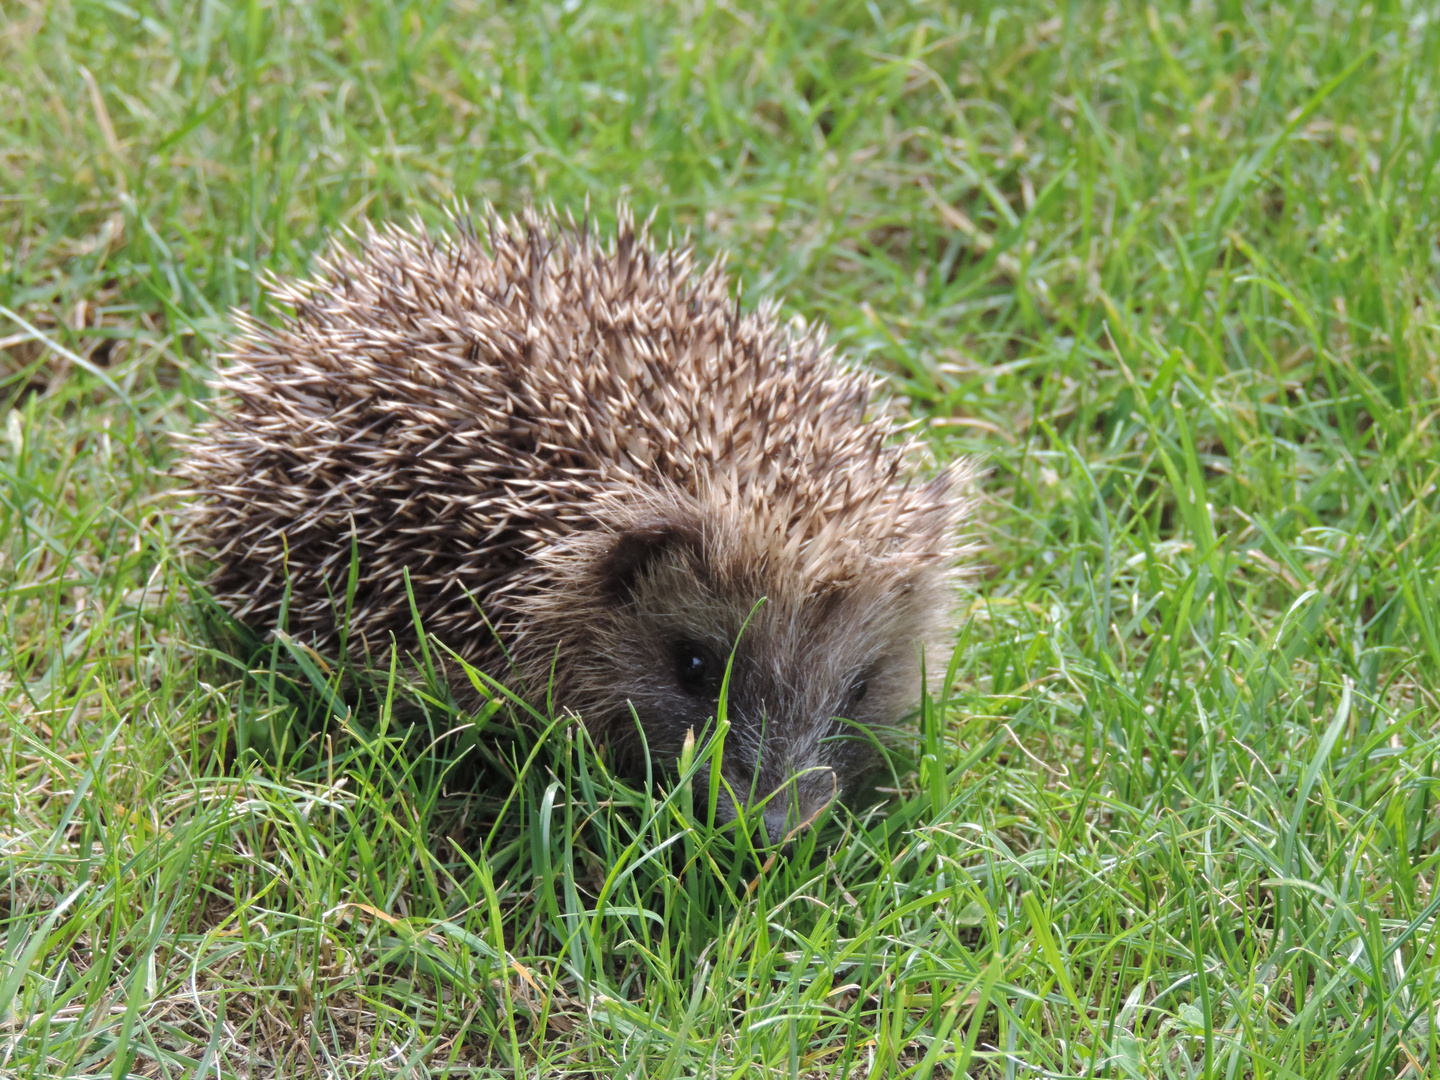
779	819
789	811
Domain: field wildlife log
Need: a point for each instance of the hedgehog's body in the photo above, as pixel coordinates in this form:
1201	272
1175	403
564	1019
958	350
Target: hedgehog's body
593	468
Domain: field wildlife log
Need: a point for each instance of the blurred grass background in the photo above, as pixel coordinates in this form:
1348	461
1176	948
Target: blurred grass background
1172	269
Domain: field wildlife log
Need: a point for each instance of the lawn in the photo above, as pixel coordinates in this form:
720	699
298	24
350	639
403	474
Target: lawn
1171	271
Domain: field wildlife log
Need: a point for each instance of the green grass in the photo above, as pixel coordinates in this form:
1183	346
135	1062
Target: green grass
1173	271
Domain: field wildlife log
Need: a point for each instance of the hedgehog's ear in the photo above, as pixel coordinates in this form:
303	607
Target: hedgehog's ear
634	551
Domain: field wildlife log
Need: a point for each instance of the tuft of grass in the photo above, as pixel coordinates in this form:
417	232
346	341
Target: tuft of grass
1172	270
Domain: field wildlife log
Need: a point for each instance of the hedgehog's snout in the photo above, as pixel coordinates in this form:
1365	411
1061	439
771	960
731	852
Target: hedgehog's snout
778	811
795	805
784	778
787	752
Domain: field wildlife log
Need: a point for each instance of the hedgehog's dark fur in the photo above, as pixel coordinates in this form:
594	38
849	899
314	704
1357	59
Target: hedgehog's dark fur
589	452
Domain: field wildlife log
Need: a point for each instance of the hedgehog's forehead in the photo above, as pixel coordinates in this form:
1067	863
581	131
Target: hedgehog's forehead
766	555
844	604
749	544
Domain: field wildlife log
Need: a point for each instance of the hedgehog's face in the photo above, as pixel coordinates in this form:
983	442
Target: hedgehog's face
816	675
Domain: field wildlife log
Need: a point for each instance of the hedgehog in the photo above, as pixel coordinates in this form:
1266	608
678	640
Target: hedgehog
597	476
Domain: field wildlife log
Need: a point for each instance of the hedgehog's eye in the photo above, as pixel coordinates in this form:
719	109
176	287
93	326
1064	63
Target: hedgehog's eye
695	670
859	690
